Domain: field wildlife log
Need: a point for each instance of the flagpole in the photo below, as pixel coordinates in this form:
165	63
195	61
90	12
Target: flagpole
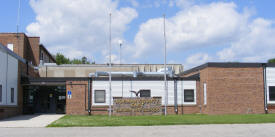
165	73
110	66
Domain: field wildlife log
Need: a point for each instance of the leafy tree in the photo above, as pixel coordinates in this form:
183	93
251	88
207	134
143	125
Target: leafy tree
84	60
61	59
271	60
76	61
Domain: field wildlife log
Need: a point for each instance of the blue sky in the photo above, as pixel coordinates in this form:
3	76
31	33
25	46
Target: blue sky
197	30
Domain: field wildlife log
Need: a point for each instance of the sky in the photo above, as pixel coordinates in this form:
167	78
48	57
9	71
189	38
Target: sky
197	31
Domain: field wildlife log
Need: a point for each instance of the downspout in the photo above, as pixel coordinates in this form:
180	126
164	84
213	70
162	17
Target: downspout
265	90
89	95
175	96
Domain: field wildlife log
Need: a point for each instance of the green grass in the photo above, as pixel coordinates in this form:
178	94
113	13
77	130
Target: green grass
92	121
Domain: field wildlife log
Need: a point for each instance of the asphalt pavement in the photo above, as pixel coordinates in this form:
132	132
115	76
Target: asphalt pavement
222	130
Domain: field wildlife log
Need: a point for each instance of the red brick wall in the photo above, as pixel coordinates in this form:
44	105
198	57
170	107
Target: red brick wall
18	42
233	90
77	105
24	46
35	49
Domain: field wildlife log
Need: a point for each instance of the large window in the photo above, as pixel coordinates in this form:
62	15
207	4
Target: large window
189	95
145	93
100	96
12	95
0	93
272	93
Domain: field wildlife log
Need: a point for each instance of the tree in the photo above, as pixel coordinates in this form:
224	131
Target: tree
61	59
76	61
84	60
271	60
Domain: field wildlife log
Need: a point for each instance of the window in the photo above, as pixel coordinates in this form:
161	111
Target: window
189	95
42	56
145	93
100	96
10	46
12	95
271	93
205	93
0	93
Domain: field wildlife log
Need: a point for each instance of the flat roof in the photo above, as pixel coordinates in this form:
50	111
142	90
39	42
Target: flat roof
224	65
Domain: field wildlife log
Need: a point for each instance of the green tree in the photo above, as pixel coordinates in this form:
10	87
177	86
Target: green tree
61	59
271	60
76	61
84	60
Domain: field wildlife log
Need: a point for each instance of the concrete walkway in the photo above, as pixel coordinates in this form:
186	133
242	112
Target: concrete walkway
37	120
226	130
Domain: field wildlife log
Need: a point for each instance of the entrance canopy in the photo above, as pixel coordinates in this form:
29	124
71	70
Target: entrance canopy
47	81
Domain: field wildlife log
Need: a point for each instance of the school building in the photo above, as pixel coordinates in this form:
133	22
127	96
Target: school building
31	82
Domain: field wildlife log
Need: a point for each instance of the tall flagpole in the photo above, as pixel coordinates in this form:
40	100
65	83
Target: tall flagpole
165	73
110	67
18	16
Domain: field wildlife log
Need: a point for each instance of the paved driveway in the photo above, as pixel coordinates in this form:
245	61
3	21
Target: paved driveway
236	130
30	120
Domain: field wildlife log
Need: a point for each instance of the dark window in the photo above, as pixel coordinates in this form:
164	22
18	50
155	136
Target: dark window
0	93
42	56
272	93
145	93
12	95
189	95
100	96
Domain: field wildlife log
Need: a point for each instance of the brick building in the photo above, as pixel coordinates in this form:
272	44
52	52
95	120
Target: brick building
29	86
234	88
27	47
13	68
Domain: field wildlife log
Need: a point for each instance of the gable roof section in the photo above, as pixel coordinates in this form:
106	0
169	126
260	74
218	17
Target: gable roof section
44	48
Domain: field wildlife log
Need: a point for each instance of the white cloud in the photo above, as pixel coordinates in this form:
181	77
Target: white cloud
200	26
256	45
236	36
114	59
197	59
80	26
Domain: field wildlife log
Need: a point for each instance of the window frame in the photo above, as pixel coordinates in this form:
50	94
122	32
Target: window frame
95	96
194	98
12	95
268	97
1	94
204	93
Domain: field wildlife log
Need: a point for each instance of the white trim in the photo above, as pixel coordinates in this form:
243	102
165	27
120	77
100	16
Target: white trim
269	85
204	93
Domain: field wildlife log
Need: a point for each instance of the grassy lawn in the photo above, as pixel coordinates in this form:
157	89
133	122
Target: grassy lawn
89	121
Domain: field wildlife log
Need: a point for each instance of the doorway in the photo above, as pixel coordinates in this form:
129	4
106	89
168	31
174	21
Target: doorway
44	99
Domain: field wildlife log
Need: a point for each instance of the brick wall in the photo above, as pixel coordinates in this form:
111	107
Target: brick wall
78	104
233	90
24	46
35	49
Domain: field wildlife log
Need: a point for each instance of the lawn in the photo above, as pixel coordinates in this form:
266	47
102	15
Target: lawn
94	121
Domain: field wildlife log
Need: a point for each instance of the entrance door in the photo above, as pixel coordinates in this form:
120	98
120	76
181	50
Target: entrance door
44	99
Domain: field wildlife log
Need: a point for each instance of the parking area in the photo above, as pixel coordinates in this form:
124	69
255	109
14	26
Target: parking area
36	120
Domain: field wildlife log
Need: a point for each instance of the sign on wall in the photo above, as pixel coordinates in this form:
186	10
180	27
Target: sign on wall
69	93
137	106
